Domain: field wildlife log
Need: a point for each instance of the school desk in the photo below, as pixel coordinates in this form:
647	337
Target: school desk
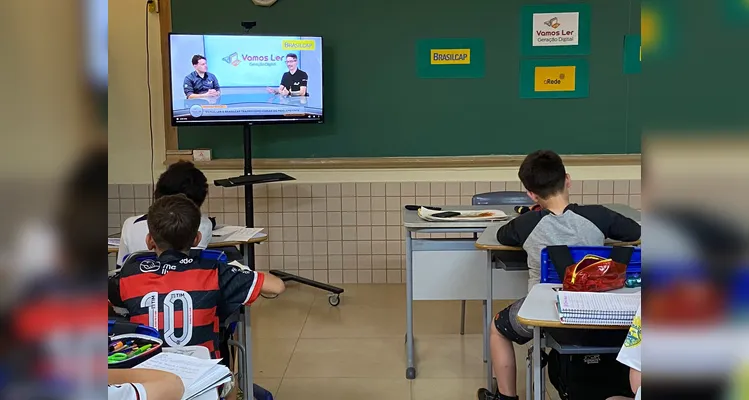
487	241
446	269
539	311
217	242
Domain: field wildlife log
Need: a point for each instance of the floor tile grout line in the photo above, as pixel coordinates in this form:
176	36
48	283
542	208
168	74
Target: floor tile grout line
293	350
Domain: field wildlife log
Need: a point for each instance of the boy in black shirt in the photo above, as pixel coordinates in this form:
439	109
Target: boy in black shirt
557	223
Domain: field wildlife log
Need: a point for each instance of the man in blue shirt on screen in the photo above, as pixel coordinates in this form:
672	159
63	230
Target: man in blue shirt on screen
201	83
294	82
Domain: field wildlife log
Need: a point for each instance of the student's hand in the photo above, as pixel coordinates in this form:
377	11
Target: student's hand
284	92
212	92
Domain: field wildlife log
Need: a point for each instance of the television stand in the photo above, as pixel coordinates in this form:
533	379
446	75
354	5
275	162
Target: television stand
249	179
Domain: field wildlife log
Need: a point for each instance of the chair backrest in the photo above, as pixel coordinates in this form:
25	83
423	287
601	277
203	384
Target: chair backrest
501	199
149	255
549	273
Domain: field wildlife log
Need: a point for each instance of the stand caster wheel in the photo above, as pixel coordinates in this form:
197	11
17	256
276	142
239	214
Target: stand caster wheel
334	300
411	373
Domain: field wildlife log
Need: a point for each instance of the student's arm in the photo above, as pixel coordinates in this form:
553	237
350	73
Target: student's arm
630	353
123	250
517	230
613	225
206	233
272	285
243	286
157	384
622	228
635	379
113	289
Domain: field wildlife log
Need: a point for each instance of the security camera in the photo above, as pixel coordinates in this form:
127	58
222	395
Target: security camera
248	25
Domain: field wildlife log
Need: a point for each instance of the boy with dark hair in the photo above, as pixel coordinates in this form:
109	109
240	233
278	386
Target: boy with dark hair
557	223
180	293
193	289
181	177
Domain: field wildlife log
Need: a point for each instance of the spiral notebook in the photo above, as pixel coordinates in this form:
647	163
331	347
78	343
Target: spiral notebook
592	308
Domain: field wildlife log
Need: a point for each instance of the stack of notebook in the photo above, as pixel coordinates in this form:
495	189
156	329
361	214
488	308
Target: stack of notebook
201	378
589	308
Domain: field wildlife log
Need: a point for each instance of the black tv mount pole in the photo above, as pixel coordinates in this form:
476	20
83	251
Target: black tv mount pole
249	179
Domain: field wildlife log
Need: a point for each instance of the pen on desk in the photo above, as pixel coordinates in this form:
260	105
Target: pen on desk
412	207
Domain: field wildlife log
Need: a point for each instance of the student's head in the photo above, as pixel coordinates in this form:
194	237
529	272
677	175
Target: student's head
199	63
543	175
183	177
291	61
173	223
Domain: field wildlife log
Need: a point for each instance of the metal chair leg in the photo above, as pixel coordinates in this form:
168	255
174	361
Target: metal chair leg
529	374
462	317
486	332
243	384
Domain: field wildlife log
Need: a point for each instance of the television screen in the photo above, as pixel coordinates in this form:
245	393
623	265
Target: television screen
231	79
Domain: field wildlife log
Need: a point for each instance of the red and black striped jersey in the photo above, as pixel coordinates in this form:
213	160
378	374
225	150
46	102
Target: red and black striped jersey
184	296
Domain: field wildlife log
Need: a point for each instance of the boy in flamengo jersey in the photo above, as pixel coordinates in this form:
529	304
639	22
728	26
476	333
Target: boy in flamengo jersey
182	294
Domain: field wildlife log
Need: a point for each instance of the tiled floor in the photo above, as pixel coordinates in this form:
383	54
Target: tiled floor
305	349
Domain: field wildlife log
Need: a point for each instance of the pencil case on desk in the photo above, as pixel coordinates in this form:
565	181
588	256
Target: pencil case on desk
136	334
592	273
135	349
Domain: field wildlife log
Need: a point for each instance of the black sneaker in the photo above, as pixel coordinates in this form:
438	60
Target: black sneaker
485	394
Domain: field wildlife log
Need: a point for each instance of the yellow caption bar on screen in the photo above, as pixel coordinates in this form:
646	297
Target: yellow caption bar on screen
292	45
554	79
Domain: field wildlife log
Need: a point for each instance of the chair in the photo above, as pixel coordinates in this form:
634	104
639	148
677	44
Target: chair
510	258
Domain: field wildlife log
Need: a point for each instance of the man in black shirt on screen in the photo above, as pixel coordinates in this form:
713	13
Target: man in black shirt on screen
294	82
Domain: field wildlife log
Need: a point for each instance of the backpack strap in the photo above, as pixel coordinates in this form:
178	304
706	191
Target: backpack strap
622	254
561	257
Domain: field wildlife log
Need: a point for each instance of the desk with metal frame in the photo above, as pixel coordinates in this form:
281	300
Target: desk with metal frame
414	224
538	311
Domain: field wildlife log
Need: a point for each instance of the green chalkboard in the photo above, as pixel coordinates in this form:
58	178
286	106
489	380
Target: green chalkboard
395	113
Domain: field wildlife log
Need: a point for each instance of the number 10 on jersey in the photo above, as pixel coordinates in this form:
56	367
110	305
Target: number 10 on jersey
150	301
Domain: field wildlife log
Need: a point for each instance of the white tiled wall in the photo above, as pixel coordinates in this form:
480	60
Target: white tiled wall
344	232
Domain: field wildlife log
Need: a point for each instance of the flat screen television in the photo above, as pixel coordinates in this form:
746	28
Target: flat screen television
241	79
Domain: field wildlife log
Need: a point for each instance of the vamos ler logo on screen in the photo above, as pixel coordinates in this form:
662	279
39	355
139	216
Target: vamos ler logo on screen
556	29
234	59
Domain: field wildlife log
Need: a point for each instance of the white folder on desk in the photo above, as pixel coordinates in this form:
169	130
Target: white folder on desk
231	233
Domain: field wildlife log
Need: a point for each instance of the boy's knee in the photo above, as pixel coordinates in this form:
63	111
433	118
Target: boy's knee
494	331
507	330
